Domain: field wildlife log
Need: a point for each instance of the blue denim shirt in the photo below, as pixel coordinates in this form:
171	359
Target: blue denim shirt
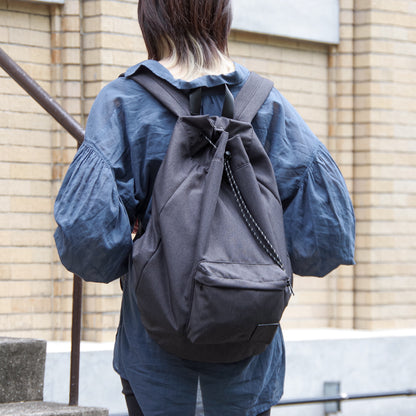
109	185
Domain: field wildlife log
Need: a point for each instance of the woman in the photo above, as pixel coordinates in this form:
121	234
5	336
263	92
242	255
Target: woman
109	183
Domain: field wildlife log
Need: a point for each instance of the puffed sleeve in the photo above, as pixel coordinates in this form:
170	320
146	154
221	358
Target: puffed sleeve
319	220
93	237
96	204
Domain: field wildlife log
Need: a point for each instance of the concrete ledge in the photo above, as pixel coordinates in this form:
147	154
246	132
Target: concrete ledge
362	361
22	364
48	409
95	364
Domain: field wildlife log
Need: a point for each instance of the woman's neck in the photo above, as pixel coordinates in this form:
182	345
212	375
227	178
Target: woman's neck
224	66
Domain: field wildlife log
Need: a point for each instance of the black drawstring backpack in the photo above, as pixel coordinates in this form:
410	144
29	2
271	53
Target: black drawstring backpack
211	272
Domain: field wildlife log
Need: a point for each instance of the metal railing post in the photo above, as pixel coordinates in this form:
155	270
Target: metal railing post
75	341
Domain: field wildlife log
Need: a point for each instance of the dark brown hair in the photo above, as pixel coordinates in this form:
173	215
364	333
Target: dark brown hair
187	30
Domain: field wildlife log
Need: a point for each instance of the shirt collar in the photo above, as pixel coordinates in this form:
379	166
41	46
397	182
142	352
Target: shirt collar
236	77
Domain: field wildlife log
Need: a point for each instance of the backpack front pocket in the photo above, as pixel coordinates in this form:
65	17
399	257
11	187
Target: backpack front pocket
236	303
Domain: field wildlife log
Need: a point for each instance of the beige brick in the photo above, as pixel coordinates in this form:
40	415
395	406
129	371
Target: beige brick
17	289
99	57
72	89
34	305
62	288
73	106
103	304
386	324
385	275
303	323
71	73
101	321
386	241
402	224
311	298
39	23
4	34
5	305
71	56
397	5
377	256
15	322
71	7
306	311
111	24
112	41
71	23
25	154
346	4
27	54
377	312
29	333
343	312
99	335
4	204
29	121
25	255
62	304
27	7
25	238
91	89
19	221
384	158
93	320
26	272
8	86
385	298
71	40
62	320
344	323
91	8
30	204
119	9
28	171
14	19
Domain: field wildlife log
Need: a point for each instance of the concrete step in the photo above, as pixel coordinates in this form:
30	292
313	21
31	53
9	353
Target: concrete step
48	409
22	364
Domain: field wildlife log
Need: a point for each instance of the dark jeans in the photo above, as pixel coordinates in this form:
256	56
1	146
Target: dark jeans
134	408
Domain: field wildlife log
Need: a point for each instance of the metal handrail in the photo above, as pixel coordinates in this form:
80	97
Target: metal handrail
344	396
75	130
42	97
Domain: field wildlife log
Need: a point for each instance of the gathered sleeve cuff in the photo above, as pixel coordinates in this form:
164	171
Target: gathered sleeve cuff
319	220
93	237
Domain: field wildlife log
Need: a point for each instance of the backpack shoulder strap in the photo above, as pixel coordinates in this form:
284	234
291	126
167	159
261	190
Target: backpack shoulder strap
247	103
251	97
164	92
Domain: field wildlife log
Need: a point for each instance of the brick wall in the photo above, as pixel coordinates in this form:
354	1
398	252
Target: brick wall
26	290
341	145
385	163
358	97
